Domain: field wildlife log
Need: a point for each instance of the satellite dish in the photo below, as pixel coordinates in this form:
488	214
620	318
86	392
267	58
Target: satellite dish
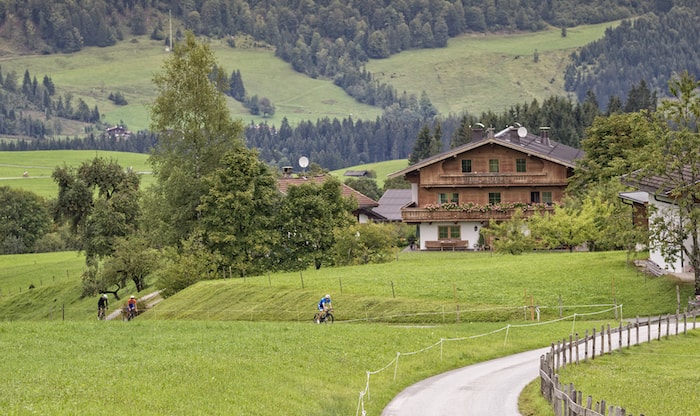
522	132
303	162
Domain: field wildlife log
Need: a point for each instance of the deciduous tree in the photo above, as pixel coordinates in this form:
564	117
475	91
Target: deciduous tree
195	131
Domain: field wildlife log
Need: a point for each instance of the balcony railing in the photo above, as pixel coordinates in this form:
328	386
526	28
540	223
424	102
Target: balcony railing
494	179
443	215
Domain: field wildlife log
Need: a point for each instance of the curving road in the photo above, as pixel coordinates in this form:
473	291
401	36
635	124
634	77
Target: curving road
488	388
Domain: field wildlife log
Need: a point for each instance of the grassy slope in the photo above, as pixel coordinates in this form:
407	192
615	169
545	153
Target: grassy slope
129	67
232	363
474	73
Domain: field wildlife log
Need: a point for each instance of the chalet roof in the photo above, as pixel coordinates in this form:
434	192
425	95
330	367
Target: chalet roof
660	185
391	202
532	144
638	197
363	201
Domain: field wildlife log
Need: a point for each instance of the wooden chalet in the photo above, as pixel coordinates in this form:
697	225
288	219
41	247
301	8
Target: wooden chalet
455	193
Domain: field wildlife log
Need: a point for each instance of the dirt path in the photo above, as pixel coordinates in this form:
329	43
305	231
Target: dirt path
150	300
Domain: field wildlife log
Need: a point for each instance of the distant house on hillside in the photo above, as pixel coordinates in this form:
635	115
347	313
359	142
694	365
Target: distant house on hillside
118	132
454	194
357	173
365	204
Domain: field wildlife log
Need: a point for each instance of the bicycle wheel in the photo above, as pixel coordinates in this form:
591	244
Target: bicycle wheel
329	319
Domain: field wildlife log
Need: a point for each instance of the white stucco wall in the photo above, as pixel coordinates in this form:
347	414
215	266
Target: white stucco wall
466	232
666	210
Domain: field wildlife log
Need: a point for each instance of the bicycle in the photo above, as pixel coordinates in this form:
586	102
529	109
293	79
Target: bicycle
128	314
324	318
101	314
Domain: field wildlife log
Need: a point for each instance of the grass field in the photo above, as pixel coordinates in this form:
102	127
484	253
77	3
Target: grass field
475	73
278	365
40	164
635	377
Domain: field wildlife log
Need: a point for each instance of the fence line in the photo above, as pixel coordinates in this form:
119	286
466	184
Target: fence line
566	400
395	361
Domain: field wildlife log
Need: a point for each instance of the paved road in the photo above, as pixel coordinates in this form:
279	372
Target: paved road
488	388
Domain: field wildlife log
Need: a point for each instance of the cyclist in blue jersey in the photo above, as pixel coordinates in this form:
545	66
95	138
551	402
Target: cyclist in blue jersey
324	305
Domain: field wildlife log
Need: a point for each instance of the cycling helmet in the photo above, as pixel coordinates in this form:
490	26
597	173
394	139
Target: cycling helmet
328	296
133	297
104	296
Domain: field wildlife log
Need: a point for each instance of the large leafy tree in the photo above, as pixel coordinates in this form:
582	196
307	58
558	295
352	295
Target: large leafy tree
132	260
238	211
24	219
672	162
195	130
609	146
100	200
307	219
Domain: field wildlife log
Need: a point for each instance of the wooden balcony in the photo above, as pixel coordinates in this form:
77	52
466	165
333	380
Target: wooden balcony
414	215
493	179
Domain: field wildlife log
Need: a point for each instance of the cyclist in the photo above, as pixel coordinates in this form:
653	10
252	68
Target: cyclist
102	306
133	308
324	305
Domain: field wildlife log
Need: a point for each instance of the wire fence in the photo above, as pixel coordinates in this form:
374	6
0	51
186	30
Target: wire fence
394	363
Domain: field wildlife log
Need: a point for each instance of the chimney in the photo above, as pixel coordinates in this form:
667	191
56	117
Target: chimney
513	135
544	133
477	132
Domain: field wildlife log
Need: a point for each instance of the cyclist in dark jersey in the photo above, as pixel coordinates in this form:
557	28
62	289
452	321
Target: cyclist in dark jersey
102	306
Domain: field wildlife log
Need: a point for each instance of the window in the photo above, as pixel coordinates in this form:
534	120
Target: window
443	198
535	197
494	198
493	165
547	197
466	166
520	165
451	231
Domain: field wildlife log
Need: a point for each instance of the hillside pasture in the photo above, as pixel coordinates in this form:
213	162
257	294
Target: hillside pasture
128	67
474	73
478	73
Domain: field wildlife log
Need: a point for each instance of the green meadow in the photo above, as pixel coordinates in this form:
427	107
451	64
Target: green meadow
40	164
474	73
248	346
